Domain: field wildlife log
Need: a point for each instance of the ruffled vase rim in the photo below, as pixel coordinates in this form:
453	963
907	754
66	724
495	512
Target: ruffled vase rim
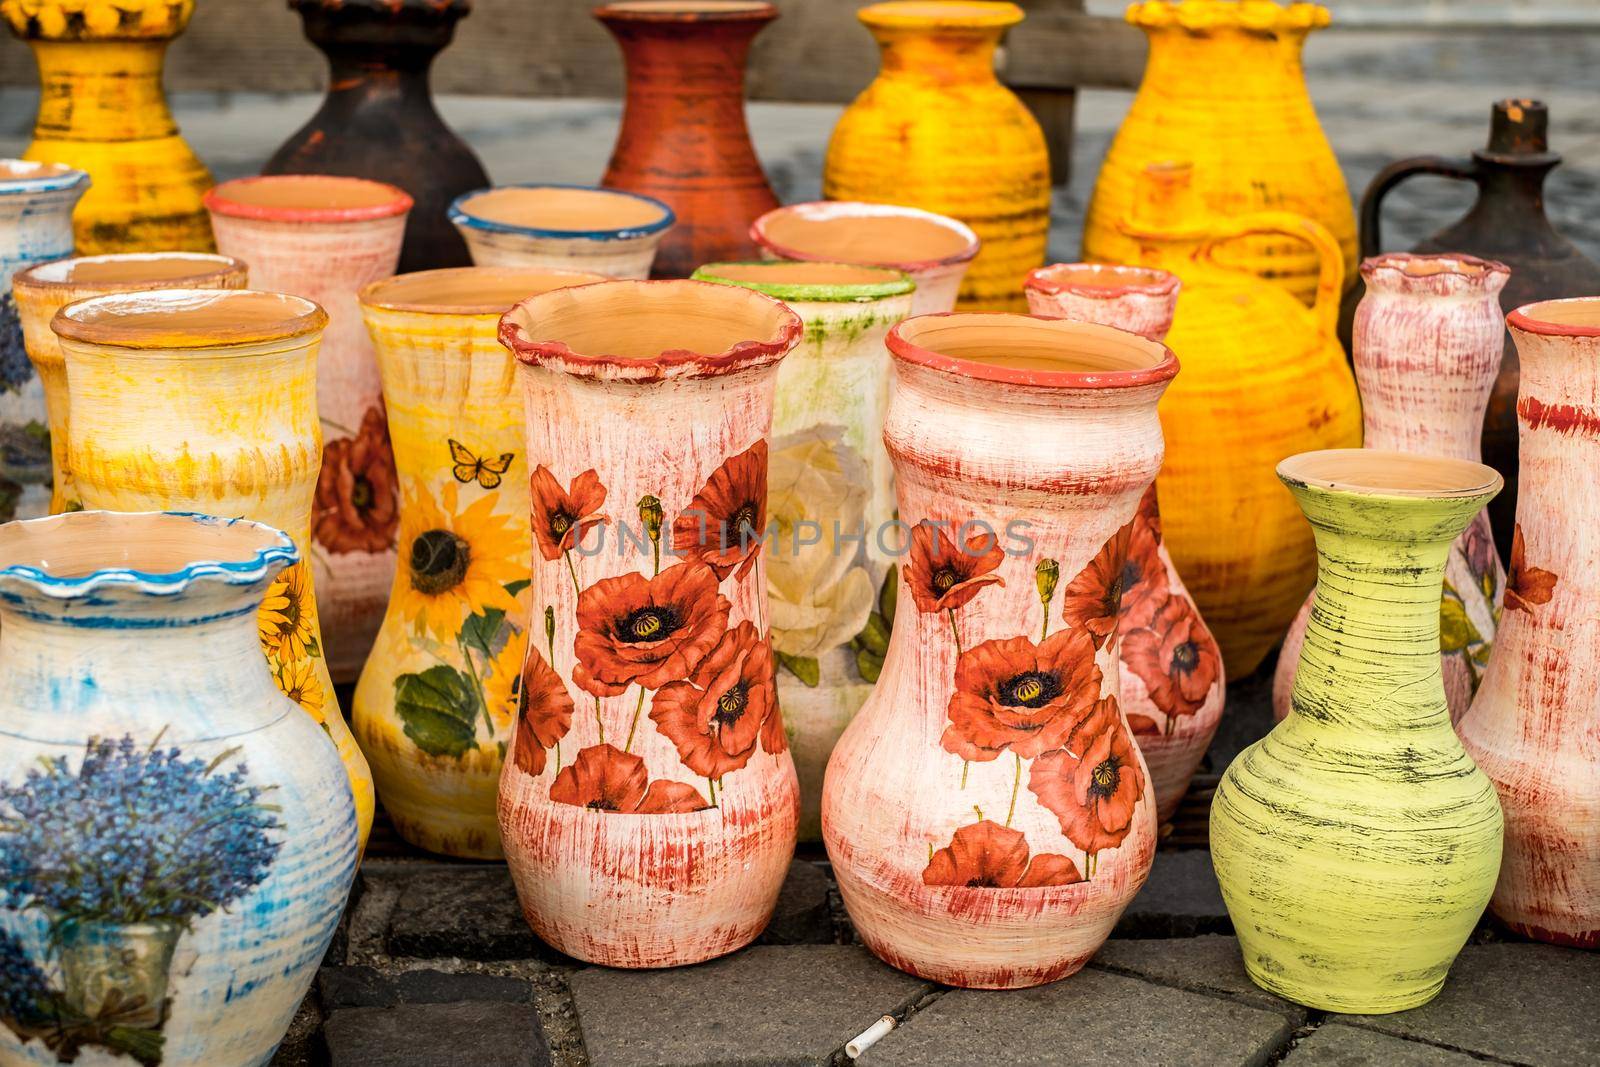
1098	349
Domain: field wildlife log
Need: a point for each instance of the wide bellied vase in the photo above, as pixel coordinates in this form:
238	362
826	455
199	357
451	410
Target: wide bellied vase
178	840
563	227
1356	844
324	238
1428	336
937	130
1171	668
987	813
43	290
205	400
434	708
830	492
1533	725
648	811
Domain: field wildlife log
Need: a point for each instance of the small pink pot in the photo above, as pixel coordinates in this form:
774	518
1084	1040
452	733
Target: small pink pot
1140	300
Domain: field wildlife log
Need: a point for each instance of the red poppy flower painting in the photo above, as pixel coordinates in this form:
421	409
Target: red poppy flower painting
647	630
561	517
544	714
1144	575
1174	657
1093	599
724	523
605	778
986	855
715	718
1094	792
944	576
1526	586
1014	695
357	503
1143	725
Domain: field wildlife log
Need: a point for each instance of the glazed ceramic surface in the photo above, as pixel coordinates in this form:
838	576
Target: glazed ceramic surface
1224	87
937	130
324	238
563	227
648	811
434	708
987	813
187	399
179	840
1357	844
1534	727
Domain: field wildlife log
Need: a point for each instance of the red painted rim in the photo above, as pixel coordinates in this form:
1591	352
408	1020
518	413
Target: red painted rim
1526	318
1156	283
688	11
216	200
853	208
911	352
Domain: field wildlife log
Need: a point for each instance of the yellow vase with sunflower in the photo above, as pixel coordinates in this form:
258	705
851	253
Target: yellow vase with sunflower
205	401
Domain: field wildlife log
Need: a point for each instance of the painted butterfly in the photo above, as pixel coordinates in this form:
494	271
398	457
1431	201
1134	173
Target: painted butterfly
469	467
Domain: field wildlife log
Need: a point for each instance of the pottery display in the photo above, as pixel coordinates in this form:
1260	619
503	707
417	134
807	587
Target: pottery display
1263	377
831	581
649	806
436	701
36	201
1427	347
43	290
1507	222
987	813
937	130
178	843
102	110
1170	666
562	227
1532	725
683	138
324	238
934	250
1356	844
205	401
1224	87
378	120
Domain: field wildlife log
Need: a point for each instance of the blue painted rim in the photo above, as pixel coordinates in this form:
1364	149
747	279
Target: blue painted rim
461	217
54	183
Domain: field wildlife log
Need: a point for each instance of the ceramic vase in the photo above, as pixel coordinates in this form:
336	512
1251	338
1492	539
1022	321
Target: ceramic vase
988	814
1264	377
648	810
563	227
830	490
324	238
205	401
378	120
178	842
937	130
36	202
1224	87
102	110
44	289
1532	725
1427	348
1357	844
436	701
934	250
1170	666
683	138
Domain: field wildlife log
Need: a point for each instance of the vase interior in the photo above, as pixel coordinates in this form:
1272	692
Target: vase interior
1370	472
1023	343
687	8
644	321
878	236
1577	315
561	209
292	195
188	318
167	269
80	544
954	14
22	170
470	290
1102	280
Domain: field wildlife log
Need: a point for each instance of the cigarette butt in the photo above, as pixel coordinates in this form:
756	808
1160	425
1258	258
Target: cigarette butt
869	1037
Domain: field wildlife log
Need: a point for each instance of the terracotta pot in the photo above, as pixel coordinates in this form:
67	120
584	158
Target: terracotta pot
562	227
1356	844
830	490
683	138
934	250
988	814
197	400
1171	668
648	811
1427	348
1531	726
378	120
43	290
324	238
436	700
179	843
937	130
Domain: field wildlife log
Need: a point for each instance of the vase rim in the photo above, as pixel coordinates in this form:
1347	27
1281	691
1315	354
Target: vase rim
1577	316
465	290
120	271
327	198
686	11
1416	270
833	213
1372	472
29	176
188	318
1102	281
810	281
1105	357
659	217
941	14
1200	16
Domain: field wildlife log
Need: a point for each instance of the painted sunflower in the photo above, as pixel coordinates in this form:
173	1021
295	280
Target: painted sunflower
299	682
502	683
287	621
454	564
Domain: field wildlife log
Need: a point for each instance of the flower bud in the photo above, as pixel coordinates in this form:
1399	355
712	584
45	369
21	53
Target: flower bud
1045	575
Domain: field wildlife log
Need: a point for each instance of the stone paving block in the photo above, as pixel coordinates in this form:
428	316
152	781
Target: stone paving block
1181	899
466	912
366	987
802	916
1333	1045
472	1034
1209	964
1092	1017
762	1007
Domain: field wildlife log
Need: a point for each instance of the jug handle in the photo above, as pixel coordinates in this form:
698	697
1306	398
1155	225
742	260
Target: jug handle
1383	183
1330	258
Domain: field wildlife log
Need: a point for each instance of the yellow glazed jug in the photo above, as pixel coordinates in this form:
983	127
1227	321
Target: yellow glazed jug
936	130
102	109
1224	87
1263	378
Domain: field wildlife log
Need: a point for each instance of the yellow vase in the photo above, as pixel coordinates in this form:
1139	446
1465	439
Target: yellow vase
205	401
1224	87
1263	378
102	109
936	130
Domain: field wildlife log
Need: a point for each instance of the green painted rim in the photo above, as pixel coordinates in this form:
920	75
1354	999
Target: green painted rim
895	283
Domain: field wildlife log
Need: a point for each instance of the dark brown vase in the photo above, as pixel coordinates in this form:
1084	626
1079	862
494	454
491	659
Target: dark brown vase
378	120
683	138
1506	223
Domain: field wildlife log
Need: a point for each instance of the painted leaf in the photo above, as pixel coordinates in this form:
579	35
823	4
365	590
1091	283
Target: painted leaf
805	668
889	593
439	708
1480	656
868	665
513	588
481	632
874	636
1456	632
